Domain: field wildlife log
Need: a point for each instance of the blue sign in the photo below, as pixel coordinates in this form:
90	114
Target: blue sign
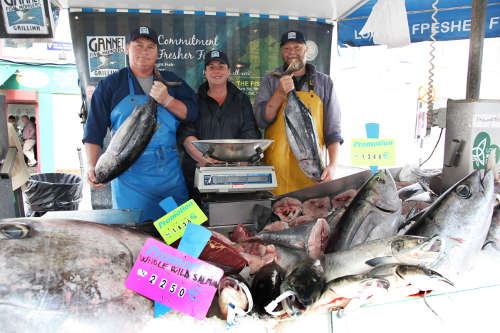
60	46
454	22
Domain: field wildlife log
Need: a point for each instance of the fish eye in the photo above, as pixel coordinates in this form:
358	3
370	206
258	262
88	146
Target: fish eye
14	231
463	191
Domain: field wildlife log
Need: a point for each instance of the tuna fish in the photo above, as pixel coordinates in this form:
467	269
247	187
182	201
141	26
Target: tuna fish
311	237
56	274
302	137
130	140
461	217
373	214
398	249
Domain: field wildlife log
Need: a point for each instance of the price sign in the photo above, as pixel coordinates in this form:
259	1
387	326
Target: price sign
171	226
373	152
174	278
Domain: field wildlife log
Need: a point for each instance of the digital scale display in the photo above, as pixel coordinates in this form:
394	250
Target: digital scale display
237	179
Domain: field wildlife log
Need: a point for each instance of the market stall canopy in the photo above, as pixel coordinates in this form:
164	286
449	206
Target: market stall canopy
329	9
453	21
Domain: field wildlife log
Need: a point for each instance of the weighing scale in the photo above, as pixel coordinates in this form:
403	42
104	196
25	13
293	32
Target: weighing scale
232	191
240	169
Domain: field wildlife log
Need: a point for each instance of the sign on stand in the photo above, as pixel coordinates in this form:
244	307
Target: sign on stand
369	152
174	278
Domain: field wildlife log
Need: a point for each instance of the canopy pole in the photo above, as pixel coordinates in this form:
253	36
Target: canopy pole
478	20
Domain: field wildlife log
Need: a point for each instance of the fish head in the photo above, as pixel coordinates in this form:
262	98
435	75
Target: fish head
230	291
311	168
381	192
306	281
423	278
417	250
16	229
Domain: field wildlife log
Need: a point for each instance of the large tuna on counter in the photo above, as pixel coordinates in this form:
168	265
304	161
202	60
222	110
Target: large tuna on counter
373	214
64	275
461	217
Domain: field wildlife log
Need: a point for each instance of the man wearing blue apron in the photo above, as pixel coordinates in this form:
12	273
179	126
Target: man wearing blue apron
156	174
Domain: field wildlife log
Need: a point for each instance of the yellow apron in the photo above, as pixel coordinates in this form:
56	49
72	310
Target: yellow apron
289	175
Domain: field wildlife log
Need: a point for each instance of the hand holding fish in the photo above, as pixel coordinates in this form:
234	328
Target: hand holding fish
159	93
286	84
328	173
92	181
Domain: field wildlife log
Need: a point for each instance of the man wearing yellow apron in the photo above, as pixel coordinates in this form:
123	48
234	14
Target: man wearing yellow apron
316	90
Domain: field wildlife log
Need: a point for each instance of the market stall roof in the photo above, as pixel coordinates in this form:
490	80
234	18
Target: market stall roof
453	21
327	9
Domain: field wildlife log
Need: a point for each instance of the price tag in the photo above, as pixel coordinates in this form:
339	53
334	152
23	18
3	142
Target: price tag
373	152
174	278
172	225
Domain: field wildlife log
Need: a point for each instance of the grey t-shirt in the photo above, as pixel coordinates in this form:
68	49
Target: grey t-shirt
146	83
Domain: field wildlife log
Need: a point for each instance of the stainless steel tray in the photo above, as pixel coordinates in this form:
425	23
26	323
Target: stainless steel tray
233	150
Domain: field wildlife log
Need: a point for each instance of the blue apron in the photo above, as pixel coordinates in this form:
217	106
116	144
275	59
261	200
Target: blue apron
156	174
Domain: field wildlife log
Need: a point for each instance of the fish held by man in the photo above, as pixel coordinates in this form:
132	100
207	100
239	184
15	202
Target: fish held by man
129	141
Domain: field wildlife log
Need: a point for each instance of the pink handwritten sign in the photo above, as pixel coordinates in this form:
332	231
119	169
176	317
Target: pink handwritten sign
174	278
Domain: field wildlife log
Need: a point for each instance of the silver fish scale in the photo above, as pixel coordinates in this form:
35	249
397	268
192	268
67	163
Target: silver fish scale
302	136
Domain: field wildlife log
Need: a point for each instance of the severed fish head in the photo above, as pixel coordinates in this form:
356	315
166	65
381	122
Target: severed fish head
306	281
231	291
381	191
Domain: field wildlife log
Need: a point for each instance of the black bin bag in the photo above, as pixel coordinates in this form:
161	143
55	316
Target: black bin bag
53	191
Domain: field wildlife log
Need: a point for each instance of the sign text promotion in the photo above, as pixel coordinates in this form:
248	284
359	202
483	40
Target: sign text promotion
379	152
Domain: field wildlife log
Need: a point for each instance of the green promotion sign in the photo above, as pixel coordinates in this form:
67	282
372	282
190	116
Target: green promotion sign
251	44
482	149
373	152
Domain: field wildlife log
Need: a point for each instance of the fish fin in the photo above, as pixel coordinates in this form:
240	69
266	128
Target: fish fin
489	242
379	261
276	74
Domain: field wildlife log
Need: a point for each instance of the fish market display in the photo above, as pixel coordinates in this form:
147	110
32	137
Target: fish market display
302	137
413	250
461	217
266	286
60	272
372	214
129	141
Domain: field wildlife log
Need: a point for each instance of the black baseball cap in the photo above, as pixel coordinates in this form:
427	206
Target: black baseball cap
144	31
292	35
216	55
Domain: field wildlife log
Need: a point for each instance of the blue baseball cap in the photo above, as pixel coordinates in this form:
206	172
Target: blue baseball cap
292	35
144	31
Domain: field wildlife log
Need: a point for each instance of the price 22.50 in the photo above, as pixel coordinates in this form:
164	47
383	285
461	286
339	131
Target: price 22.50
163	285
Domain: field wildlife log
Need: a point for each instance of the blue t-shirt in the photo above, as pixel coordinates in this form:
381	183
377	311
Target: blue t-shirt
112	89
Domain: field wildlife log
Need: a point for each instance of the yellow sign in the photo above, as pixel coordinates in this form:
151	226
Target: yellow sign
373	152
171	226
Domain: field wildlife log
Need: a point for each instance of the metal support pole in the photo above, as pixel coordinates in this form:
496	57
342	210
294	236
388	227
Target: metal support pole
478	20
